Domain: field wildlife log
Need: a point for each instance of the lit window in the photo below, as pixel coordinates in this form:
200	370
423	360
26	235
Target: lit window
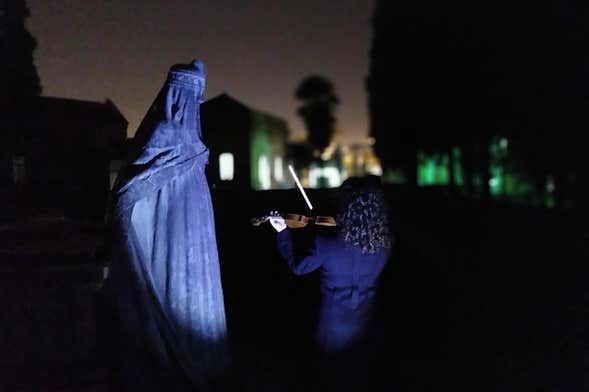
264	172
332	175
226	166
503	143
329	176
314	175
278	175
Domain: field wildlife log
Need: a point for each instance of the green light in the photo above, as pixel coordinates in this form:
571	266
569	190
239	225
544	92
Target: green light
432	169
496	182
260	146
549	200
458	174
498	153
442	169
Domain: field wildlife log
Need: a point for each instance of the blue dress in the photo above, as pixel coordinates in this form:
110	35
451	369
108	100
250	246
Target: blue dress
164	289
349	282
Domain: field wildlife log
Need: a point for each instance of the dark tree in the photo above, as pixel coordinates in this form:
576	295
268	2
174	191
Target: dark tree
389	145
461	73
547	92
319	103
18	74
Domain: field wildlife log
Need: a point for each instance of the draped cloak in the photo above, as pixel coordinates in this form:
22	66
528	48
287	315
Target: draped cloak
169	328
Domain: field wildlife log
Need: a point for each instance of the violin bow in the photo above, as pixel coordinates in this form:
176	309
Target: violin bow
299	186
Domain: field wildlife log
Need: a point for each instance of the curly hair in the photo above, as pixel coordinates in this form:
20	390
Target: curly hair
363	216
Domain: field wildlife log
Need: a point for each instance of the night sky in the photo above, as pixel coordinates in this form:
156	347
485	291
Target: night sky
256	50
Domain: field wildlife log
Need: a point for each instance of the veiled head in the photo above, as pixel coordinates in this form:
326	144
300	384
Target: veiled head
173	119
190	76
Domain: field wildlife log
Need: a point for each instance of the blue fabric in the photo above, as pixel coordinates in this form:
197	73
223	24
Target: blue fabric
348	286
165	284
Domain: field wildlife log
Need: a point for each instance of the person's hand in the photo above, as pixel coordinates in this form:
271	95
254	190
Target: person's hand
277	222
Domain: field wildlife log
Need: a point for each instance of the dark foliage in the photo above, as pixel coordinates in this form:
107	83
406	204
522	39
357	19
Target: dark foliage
319	102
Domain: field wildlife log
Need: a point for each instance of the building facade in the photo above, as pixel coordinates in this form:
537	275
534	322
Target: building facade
61	161
247	146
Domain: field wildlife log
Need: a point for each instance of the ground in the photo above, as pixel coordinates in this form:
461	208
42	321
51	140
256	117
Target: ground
477	297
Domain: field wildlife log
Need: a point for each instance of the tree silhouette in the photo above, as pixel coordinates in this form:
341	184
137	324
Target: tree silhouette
464	73
18	74
19	79
319	102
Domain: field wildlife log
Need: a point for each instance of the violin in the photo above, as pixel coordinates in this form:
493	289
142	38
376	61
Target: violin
297	221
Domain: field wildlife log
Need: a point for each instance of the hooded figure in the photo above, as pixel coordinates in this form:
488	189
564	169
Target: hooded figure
164	286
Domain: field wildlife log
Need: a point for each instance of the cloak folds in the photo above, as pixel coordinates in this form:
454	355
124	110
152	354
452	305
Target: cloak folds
164	285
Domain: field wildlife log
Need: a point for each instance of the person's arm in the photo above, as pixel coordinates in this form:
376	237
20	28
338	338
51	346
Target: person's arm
298	264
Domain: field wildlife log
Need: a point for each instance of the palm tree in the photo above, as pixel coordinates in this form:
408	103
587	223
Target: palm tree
319	102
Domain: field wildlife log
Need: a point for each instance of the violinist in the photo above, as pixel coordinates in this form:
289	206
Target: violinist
350	260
